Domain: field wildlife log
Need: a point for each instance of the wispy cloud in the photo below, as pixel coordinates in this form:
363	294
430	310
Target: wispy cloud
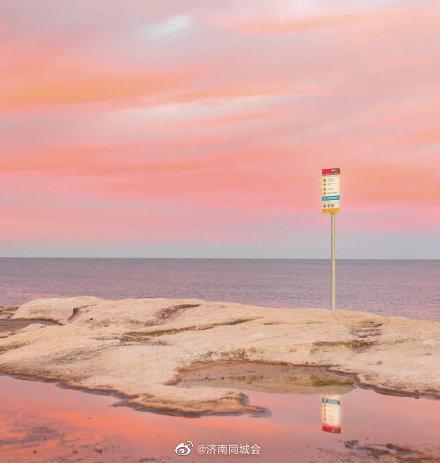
170	27
218	110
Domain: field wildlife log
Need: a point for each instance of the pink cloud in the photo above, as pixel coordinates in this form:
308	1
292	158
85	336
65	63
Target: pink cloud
232	119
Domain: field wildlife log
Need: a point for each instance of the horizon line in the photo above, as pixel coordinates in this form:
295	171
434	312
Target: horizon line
220	258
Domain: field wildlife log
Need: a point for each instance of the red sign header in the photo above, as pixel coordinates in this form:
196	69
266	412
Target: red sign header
334	171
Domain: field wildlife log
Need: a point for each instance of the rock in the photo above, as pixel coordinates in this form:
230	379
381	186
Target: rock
54	309
7	311
32	327
145	351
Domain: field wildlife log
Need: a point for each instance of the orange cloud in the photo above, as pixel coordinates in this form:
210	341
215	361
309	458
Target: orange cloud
259	89
292	26
396	184
100	120
430	136
68	86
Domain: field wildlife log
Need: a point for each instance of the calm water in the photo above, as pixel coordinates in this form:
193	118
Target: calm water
42	423
393	287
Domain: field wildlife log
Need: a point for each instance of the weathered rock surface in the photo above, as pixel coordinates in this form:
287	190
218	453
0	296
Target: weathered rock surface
141	348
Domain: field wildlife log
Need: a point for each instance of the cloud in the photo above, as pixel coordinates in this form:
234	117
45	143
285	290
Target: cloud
104	114
290	17
291	26
171	27
283	17
57	85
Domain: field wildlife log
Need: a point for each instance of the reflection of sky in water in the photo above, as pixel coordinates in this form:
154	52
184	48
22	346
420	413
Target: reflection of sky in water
293	428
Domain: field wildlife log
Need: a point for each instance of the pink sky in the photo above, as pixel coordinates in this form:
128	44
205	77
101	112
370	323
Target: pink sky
190	128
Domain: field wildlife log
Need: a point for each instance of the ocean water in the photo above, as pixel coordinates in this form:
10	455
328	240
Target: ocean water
391	287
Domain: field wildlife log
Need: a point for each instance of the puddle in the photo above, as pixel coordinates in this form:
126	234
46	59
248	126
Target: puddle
8	324
265	377
40	422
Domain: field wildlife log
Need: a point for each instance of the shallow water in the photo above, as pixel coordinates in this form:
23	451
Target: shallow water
40	422
390	287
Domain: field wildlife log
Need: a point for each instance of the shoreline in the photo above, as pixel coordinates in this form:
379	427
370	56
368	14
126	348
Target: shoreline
124	399
146	331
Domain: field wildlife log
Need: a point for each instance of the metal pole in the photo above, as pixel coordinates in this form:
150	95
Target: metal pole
333	258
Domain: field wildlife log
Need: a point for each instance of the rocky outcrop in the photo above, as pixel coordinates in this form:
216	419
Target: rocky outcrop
146	351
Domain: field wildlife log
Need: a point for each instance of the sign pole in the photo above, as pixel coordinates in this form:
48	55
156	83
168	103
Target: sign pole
333	257
331	201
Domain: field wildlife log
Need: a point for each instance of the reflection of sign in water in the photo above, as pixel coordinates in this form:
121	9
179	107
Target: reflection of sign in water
331	414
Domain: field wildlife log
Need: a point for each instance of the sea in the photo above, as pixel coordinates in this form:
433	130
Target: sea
409	288
43	423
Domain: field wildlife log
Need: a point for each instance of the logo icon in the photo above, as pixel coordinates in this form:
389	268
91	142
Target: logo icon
184	448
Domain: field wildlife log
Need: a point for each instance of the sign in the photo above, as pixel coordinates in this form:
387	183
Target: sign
330	190
331	414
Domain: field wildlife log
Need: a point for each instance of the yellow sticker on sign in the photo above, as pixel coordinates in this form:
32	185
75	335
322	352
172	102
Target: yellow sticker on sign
330	210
